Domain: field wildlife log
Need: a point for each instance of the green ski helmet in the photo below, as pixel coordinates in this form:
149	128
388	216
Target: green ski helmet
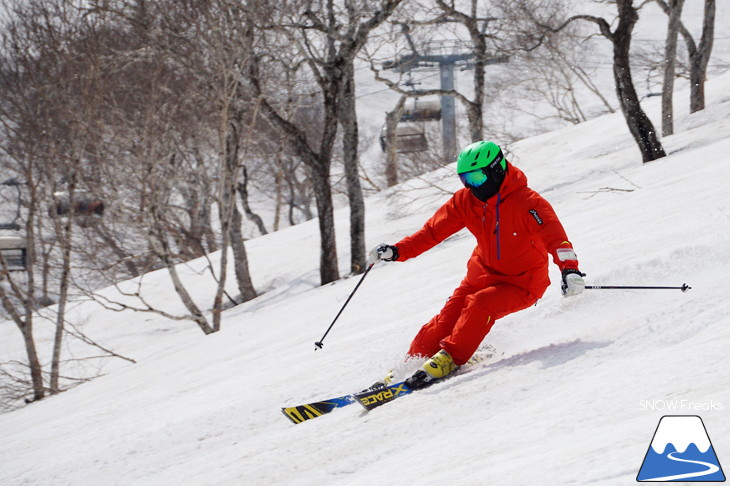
482	167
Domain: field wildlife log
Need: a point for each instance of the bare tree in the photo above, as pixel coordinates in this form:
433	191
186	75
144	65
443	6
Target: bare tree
545	66
206	38
313	29
477	26
699	55
316	155
17	294
638	122
670	56
343	27
242	189
45	135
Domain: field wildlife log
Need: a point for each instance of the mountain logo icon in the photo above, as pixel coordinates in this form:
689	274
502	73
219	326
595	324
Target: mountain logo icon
681	451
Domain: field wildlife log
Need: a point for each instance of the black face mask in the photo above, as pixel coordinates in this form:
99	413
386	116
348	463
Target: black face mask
489	188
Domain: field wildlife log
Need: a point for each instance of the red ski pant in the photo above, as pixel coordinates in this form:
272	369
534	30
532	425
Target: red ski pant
467	317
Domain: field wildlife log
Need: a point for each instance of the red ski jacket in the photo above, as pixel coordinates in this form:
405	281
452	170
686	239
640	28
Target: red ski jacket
515	230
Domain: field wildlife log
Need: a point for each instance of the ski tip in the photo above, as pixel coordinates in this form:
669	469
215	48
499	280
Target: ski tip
288	414
300	414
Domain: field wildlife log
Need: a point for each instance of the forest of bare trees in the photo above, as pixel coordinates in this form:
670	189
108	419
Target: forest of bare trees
136	135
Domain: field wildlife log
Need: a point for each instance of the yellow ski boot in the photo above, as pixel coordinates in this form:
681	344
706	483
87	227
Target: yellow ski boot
437	367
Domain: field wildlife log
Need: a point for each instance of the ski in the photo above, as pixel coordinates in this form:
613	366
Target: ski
376	397
308	411
370	398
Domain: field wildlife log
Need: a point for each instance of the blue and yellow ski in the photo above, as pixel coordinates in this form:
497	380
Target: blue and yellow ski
369	399
301	413
372	398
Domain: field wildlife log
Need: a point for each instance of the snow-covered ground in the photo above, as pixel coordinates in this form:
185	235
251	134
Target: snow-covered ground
572	396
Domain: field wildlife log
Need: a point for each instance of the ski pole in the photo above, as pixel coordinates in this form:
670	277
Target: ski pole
683	288
319	344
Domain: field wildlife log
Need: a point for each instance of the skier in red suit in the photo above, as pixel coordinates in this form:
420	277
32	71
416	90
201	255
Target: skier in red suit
515	228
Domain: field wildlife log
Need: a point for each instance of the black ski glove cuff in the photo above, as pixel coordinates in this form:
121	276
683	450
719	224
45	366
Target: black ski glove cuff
567	271
395	253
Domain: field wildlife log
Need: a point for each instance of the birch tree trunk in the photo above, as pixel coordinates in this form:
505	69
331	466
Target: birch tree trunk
670	56
699	57
66	234
348	120
639	124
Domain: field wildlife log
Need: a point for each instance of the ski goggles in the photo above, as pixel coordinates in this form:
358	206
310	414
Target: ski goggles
473	178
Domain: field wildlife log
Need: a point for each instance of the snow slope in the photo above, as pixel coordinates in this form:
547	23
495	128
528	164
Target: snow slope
572	396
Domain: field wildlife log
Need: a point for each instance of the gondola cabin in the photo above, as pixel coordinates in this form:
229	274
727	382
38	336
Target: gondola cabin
417	110
409	138
84	205
13	250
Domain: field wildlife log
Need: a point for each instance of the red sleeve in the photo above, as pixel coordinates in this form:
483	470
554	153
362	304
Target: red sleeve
547	226
447	220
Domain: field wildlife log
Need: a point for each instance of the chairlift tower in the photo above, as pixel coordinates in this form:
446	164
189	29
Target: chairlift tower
446	56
